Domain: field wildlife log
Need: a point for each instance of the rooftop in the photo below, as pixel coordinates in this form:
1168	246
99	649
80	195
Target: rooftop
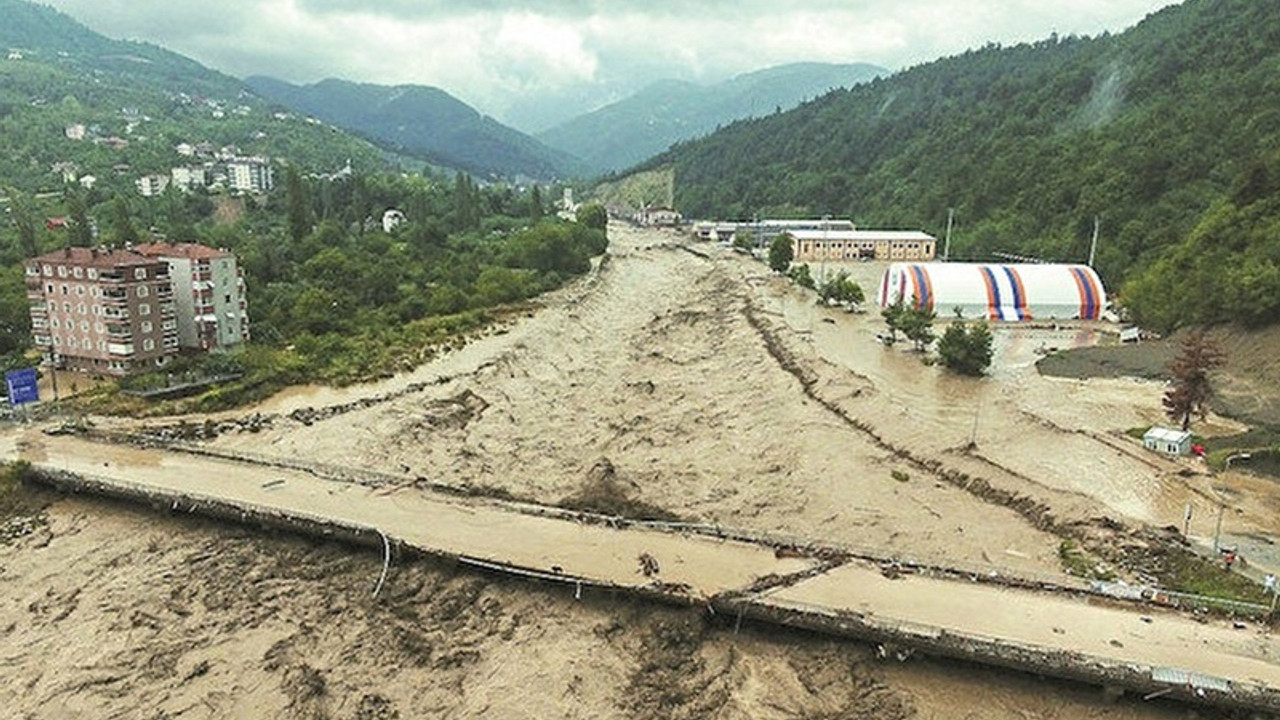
192	251
95	257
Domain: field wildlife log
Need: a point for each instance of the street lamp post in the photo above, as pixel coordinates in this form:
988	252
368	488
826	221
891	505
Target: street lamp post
1222	506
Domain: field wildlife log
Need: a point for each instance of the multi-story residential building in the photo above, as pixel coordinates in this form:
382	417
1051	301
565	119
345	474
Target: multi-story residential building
209	294
108	312
152	185
250	174
188	177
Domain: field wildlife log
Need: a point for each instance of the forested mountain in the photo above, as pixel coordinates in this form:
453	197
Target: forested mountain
627	132
425	122
1169	127
40	33
133	103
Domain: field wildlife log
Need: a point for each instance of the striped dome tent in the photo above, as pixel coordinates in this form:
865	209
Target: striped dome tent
997	292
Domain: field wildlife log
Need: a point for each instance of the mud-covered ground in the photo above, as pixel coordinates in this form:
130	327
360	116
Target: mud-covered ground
1247	386
108	611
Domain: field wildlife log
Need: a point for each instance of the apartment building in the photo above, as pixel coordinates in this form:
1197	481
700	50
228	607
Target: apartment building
108	312
209	294
250	174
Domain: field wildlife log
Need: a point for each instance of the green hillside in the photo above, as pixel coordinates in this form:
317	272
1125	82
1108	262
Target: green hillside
426	122
630	131
136	103
1146	130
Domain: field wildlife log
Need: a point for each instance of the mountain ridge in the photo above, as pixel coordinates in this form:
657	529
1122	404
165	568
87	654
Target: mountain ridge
624	133
422	120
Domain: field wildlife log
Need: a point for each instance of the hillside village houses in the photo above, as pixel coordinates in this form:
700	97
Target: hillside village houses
225	167
110	311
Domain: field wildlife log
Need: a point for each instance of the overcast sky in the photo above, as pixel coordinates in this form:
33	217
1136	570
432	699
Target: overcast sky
491	53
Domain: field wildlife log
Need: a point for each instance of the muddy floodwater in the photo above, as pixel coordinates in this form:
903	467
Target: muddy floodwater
681	376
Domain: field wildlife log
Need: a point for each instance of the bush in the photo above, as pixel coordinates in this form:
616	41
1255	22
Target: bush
966	350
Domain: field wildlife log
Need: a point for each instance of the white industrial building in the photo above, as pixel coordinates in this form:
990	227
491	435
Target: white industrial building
997	291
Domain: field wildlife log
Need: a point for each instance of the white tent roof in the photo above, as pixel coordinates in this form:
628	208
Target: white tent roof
997	291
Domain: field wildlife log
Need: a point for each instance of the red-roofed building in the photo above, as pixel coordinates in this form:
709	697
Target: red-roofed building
107	312
209	294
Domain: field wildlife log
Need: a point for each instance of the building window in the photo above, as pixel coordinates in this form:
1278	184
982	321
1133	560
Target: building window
53	323
148	344
143	291
64	290
81	308
77	271
146	326
48	289
93	273
140	273
48	271
99	328
102	345
80	289
84	326
144	309
62	271
71	343
66	307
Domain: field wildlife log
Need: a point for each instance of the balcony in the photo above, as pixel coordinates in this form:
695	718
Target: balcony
111	276
121	349
115	313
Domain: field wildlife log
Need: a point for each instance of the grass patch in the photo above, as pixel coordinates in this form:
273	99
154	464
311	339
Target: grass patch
1187	572
331	359
12	477
1078	562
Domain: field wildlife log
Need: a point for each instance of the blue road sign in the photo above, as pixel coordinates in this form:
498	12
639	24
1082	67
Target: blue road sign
22	386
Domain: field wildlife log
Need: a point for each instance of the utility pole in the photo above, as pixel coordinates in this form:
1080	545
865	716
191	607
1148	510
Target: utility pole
1093	245
826	249
946	248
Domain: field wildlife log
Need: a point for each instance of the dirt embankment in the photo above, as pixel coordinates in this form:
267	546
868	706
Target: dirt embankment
1247	386
108	611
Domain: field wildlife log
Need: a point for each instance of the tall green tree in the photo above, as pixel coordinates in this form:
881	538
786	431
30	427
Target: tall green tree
966	350
840	289
893	317
917	324
593	215
80	228
23	216
1189	395
123	230
536	211
297	204
781	253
